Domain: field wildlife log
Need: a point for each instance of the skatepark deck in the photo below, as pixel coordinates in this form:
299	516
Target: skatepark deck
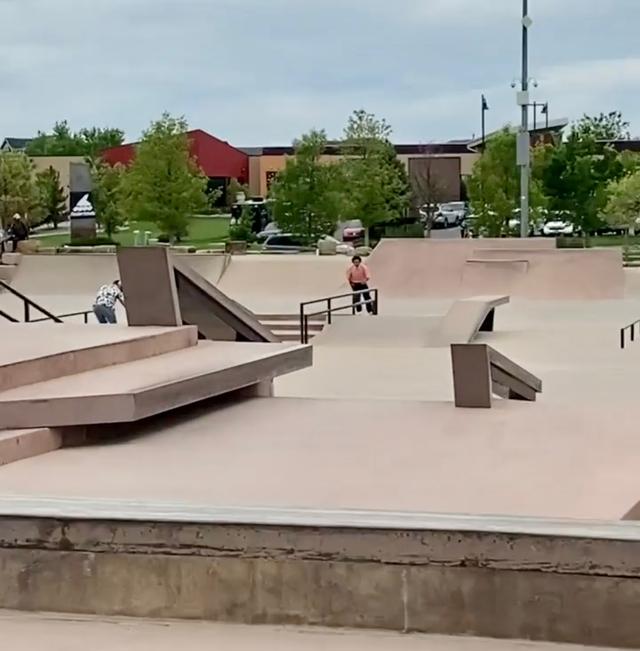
370	428
55	632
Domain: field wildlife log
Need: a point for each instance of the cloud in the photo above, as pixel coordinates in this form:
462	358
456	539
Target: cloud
263	71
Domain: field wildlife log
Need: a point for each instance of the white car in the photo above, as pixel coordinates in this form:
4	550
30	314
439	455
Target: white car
557	227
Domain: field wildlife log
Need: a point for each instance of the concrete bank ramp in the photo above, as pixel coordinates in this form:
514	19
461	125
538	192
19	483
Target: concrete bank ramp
460	325
162	290
524	268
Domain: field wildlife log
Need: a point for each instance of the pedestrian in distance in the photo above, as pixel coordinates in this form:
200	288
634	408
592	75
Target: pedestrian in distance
104	306
358	277
17	231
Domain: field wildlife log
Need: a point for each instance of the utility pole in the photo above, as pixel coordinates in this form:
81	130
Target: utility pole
524	156
484	109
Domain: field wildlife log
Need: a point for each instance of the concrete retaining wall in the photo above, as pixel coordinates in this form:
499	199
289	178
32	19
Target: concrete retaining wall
505	585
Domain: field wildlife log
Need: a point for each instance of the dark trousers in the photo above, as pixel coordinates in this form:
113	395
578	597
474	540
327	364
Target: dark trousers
105	314
357	298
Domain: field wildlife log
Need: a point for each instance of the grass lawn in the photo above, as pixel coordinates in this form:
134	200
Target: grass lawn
203	231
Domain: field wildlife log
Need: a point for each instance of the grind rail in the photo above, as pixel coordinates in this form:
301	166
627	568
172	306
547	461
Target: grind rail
331	308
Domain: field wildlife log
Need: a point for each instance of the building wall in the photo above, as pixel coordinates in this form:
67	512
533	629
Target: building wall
451	169
62	164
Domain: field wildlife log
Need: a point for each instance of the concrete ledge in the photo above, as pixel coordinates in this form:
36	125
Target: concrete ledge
485	582
16	445
7	272
50	363
137	390
11	258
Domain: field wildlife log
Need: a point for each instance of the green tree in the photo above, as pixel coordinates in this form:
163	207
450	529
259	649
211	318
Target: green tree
18	192
233	189
106	196
164	184
62	141
377	182
52	199
606	126
494	186
308	194
577	176
623	206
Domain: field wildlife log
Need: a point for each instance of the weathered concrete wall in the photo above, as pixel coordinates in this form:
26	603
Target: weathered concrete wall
498	585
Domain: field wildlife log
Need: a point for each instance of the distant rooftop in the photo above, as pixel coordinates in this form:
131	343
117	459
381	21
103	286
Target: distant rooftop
15	144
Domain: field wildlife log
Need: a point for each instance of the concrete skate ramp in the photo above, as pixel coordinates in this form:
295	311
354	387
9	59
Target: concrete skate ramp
591	274
460	325
162	290
379	332
279	283
527	268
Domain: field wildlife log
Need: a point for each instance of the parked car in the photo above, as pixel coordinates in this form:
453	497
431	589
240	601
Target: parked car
558	227
271	229
352	231
285	243
450	214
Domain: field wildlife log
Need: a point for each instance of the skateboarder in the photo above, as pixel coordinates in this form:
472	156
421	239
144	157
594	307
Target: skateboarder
105	304
359	277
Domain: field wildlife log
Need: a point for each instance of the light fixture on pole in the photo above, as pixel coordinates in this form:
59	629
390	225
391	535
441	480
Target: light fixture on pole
484	109
524	142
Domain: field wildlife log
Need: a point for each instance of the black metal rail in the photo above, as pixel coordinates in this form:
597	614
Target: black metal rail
631	329
28	305
331	308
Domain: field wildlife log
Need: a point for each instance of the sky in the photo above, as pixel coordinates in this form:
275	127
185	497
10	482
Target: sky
262	72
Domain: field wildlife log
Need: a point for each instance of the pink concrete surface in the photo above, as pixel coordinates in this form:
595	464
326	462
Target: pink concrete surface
137	389
426	268
16	445
31	353
52	632
531	459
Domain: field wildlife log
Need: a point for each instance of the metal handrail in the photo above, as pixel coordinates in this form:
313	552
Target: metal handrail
329	310
28	304
82	313
632	329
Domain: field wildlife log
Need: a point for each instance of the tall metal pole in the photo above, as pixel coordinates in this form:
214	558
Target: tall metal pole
484	132
524	129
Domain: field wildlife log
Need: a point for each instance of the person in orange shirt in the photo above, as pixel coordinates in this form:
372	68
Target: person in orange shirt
359	277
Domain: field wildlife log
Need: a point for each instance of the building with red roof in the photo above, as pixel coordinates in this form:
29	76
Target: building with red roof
219	161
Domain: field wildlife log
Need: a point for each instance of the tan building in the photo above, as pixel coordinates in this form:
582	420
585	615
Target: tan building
63	165
446	165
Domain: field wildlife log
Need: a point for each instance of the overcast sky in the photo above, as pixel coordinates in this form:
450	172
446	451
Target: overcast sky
259	72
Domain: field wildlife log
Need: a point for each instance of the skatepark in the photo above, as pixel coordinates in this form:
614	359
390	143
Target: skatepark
200	463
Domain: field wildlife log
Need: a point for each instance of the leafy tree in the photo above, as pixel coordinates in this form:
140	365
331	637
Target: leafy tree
577	176
62	141
494	186
106	196
18	192
308	194
52	200
165	184
623	207
377	182
233	189
606	126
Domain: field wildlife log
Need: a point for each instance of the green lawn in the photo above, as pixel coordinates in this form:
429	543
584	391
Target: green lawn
203	231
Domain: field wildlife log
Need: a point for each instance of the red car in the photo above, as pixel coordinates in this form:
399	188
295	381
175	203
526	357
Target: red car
352	231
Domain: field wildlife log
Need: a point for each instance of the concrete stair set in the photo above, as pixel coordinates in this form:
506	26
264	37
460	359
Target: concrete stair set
286	327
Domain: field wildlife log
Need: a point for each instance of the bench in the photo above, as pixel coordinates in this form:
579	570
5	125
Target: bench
480	371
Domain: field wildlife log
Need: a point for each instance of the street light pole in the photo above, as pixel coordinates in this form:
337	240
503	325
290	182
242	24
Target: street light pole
524	156
484	109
